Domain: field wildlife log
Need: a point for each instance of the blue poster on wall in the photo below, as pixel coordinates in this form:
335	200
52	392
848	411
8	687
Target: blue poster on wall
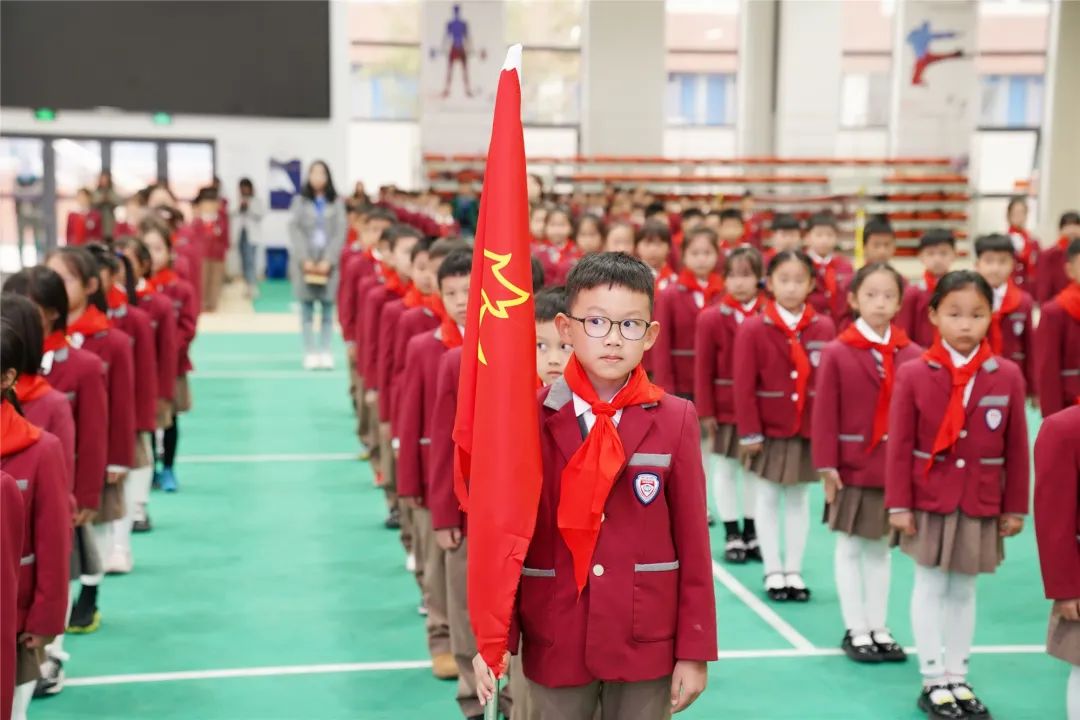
284	183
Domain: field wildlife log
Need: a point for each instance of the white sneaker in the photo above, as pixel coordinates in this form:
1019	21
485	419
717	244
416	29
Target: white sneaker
311	361
410	563
120	562
326	361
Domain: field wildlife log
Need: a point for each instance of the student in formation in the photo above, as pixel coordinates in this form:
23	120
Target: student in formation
1012	329
714	390
879	247
84	222
80	375
678	306
89	327
36	459
415	411
185	248
159	307
360	260
398	282
785	234
1050	277
1057	342
691	219
1025	245
113	273
937	253
832	270
164	280
616	610
849	434
653	246
956	482
11	539
210	232
590	234
560	250
620	237
732	230
1057	525
776	354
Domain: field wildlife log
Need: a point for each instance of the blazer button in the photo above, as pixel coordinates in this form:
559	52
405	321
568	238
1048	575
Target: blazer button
794	374
885	437
603	517
963	433
598	570
794	397
960	463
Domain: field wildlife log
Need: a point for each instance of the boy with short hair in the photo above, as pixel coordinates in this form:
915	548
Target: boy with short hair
834	271
1011	327
732	228
1057	342
551	352
786	235
616	609
653	246
416	411
1050	276
937	252
879	241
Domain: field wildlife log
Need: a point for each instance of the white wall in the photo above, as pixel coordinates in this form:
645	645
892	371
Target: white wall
244	145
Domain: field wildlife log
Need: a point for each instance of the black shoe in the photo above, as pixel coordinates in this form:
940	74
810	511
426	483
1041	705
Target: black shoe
142	526
776	594
860	653
967	701
945	708
889	650
393	520
798	594
710	519
51	681
85	617
753	550
735	550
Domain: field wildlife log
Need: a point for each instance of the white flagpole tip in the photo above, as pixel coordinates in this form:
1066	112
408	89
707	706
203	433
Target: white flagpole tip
513	59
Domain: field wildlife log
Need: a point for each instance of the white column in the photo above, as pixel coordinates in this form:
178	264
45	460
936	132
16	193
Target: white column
808	77
755	86
1061	120
935	89
623	58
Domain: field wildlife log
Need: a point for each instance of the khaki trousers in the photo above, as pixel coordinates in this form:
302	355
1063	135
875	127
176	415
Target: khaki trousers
431	575
213	273
648	700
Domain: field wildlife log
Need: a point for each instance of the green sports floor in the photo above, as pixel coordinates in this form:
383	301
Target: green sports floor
270	590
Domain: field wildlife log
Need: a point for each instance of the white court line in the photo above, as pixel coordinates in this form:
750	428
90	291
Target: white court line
268	374
398	665
270	457
762	610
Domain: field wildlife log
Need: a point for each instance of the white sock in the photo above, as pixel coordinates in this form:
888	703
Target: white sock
23	695
876	572
56	647
136	479
1072	695
849	584
796	525
749	489
145	477
727	489
103	542
767	521
927	603
959	624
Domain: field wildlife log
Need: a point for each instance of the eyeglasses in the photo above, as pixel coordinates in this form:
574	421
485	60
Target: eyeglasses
599	327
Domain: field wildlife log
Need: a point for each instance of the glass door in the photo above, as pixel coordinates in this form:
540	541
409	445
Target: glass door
22	217
190	168
77	167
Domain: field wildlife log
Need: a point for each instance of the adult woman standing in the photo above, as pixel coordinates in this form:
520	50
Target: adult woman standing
316	235
247	218
105	200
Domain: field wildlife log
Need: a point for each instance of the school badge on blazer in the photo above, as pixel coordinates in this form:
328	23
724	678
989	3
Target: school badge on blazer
646	487
815	358
1018	327
993	418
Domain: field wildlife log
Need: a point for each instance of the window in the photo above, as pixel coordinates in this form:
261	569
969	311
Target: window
701	99
385	82
544	23
551	87
1011	100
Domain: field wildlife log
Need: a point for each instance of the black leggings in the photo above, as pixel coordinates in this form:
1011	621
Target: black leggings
172	436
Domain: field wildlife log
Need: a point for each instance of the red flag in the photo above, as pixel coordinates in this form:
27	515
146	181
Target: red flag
496	429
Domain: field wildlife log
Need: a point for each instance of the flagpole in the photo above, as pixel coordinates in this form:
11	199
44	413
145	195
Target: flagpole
491	710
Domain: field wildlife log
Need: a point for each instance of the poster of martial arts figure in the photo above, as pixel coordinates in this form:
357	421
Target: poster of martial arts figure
462	47
935	88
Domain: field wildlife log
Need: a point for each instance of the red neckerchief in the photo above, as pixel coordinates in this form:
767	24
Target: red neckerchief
143	289
413	297
930	280
568	252
953	421
1029	246
54	341
829	277
1069	300
714	286
800	361
116	298
737	306
393	281
90	323
1063	243
664	275
162	279
31	387
449	332
1008	306
16	430
590	473
897	339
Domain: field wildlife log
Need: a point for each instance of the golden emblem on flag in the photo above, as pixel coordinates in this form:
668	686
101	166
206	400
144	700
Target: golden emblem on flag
498	308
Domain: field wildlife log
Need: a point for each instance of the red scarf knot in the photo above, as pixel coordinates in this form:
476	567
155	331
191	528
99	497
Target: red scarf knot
800	361
897	339
953	421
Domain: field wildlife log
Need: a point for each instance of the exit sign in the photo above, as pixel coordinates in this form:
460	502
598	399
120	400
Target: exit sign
45	114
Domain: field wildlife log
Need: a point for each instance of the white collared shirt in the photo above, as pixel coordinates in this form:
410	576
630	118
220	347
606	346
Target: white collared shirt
583	409
999	295
960	361
747	307
699	295
790	319
868	332
818	260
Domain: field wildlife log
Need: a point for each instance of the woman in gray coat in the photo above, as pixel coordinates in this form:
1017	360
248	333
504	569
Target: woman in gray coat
317	235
